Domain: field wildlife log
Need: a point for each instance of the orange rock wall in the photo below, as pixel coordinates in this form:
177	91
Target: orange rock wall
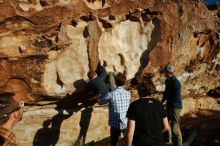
47	47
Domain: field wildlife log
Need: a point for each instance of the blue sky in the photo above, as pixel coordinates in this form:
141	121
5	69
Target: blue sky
212	1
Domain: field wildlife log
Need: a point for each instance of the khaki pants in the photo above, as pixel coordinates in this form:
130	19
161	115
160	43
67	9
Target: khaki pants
175	134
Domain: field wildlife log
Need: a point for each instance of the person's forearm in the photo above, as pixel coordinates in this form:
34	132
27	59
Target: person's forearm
130	132
129	140
166	125
102	101
165	130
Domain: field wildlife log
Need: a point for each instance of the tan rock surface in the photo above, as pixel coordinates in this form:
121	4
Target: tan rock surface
48	127
42	125
51	45
48	47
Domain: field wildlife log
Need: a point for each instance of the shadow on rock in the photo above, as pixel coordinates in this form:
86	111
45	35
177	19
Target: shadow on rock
49	134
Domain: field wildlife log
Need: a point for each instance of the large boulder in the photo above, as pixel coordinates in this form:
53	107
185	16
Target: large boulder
48	47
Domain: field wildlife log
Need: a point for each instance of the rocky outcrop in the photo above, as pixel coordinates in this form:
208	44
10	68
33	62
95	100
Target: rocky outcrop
63	129
85	124
47	47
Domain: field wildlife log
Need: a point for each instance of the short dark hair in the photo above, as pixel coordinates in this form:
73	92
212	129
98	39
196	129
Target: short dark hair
7	105
120	79
91	74
146	87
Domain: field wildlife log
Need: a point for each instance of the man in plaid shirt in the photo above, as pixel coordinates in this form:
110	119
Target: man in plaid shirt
11	111
118	100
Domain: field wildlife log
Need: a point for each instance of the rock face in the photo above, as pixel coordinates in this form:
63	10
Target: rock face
51	128
48	47
87	125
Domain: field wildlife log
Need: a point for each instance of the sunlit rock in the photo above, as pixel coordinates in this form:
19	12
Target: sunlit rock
124	45
52	45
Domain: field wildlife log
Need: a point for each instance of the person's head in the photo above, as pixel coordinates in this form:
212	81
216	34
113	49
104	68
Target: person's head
46	123
11	109
168	70
91	75
146	88
120	79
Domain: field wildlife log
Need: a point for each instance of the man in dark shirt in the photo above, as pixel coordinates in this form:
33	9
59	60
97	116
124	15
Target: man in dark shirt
147	120
98	80
173	101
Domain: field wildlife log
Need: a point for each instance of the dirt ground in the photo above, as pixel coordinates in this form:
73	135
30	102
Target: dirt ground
205	122
207	125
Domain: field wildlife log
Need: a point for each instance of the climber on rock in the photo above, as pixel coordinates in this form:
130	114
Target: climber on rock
98	80
118	99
